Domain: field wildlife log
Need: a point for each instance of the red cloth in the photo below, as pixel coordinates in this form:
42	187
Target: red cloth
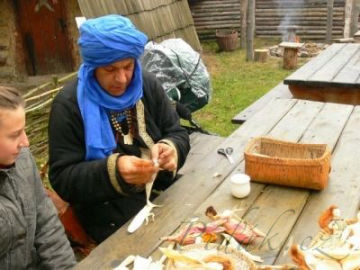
80	241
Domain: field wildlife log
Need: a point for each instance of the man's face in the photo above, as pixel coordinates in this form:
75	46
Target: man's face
116	77
12	134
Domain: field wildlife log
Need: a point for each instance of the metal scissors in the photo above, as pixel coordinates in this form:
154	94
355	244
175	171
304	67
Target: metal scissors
227	153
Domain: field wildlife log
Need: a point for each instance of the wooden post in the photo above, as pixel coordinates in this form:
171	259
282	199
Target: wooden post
260	55
355	18
250	30
55	81
290	54
329	21
290	58
244	6
357	37
348	12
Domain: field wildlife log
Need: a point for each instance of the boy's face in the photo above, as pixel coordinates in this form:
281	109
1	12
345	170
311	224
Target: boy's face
12	134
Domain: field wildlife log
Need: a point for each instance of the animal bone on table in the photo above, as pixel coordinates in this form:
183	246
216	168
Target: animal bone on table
145	212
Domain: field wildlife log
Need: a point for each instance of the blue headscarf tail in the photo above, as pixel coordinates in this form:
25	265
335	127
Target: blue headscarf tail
103	41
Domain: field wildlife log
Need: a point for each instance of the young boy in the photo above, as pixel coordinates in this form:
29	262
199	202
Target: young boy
31	235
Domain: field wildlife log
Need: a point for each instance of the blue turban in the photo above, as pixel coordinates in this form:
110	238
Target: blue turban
103	41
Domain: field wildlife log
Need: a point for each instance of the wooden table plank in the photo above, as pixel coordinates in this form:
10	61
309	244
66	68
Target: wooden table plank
277	211
297	120
330	121
274	110
279	91
291	127
335	65
221	199
180	205
343	189
302	75
276	208
199	149
350	74
325	123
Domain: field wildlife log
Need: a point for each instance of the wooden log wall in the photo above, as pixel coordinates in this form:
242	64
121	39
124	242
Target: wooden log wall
309	15
210	15
161	19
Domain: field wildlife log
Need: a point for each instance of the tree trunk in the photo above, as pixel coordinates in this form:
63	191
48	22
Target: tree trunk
329	21
250	30
260	55
244	6
290	58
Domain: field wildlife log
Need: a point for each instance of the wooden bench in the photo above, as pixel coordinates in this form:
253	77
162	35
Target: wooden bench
279	91
332	76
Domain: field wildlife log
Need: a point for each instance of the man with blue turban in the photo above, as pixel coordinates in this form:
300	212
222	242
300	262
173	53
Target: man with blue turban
108	126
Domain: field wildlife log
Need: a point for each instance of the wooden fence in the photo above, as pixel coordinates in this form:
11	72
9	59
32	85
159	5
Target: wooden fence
160	19
271	17
210	15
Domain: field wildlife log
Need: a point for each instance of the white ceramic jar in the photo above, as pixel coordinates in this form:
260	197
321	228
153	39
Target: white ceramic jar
240	185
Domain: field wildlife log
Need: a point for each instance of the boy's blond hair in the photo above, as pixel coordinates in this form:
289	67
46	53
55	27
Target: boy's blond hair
10	98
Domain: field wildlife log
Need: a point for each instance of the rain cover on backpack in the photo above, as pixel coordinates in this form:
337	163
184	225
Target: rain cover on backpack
180	70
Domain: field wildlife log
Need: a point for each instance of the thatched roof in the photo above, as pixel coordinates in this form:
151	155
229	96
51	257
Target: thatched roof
159	19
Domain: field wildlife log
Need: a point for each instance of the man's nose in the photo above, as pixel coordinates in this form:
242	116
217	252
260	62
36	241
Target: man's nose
121	76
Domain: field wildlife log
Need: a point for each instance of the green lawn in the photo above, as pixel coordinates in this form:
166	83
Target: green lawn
236	84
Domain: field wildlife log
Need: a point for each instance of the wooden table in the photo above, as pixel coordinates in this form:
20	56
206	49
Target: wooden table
332	76
279	91
284	214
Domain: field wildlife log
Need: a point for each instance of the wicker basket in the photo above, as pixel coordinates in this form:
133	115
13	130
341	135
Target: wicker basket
227	39
288	164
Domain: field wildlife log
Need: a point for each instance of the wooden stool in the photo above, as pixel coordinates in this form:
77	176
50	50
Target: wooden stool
260	55
290	54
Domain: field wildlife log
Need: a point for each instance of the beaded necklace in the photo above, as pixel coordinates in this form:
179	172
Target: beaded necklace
117	118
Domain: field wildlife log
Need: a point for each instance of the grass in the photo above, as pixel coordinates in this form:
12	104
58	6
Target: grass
236	84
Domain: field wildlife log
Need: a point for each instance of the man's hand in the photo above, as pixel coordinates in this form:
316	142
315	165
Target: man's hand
136	171
165	155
